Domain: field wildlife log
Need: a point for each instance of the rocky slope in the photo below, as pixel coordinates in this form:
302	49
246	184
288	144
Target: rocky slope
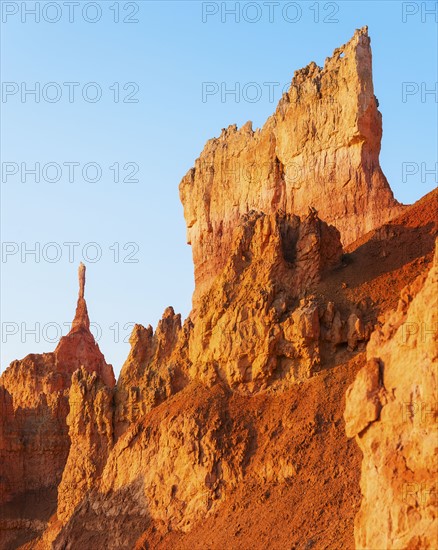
230	423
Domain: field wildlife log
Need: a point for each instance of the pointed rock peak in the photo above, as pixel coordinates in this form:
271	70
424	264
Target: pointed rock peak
170	323
81	319
362	31
140	334
78	348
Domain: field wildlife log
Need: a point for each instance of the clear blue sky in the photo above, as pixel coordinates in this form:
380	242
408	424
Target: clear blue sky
168	54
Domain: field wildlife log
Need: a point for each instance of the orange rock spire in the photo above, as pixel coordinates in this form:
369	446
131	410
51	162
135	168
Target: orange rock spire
81	275
81	319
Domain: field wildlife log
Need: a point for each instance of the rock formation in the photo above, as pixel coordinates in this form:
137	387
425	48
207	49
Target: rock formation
248	328
152	371
392	411
320	148
78	348
231	422
34	441
90	423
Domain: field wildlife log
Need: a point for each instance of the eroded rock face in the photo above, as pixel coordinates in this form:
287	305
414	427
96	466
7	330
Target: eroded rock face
153	370
185	461
391	408
34	441
258	325
250	327
90	423
320	148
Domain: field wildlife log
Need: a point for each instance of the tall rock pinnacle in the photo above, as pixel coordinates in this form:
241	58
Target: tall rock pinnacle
34	407
81	320
81	275
79	348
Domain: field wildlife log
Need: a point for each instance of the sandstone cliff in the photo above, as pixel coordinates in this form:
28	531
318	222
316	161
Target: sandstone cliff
320	148
194	424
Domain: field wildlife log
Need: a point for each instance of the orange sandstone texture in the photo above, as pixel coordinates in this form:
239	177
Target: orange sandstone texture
320	148
226	430
34	441
198	446
392	410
